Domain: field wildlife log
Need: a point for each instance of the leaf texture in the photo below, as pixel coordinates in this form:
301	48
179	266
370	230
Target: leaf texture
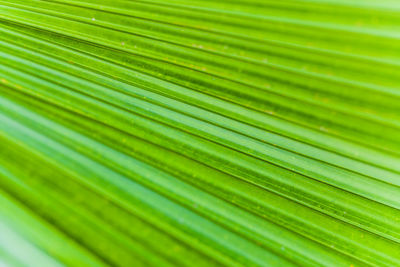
199	133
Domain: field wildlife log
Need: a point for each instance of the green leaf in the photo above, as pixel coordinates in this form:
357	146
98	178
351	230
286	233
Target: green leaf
199	133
